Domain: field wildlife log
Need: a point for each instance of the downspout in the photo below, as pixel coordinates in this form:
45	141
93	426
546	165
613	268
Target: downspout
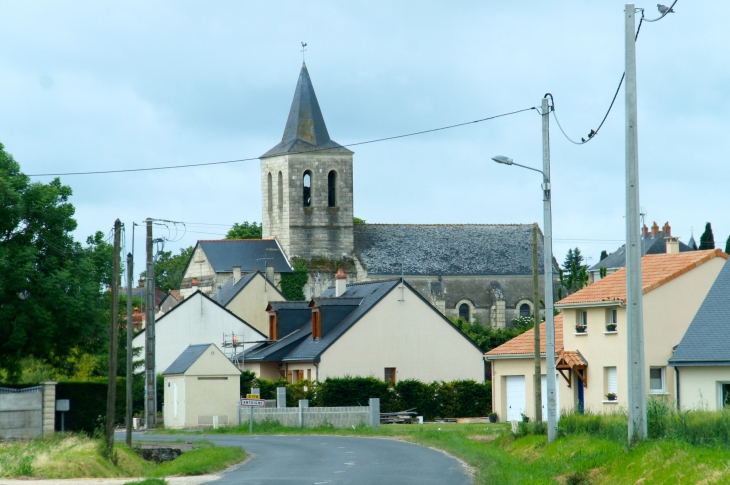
676	372
316	371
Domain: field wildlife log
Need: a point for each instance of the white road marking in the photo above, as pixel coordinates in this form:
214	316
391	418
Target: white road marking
349	452
340	471
350	463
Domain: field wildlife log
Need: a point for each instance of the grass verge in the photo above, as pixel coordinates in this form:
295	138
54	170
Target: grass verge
74	456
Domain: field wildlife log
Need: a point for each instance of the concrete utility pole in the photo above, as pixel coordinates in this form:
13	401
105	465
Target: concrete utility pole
111	395
536	320
634	308
551	384
150	402
130	269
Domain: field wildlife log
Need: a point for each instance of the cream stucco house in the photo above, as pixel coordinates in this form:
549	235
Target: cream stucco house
702	359
247	297
593	361
197	319
384	329
202	388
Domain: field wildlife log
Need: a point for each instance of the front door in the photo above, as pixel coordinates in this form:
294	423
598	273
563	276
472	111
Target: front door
515	397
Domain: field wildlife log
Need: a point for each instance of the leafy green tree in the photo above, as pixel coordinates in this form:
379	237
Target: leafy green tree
245	230
357	220
602	271
707	240
292	284
169	269
50	286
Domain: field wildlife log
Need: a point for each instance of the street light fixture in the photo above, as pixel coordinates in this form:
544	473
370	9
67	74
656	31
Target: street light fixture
552	404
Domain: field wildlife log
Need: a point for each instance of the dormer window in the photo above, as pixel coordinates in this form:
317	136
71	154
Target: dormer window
316	324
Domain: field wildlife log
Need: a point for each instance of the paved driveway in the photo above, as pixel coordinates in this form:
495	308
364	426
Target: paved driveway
333	460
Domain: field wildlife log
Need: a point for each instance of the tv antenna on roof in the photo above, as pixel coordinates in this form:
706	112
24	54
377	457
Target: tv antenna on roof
304	49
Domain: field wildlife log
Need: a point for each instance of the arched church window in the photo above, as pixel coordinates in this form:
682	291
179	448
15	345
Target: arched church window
307	186
281	191
332	189
269	193
464	312
524	310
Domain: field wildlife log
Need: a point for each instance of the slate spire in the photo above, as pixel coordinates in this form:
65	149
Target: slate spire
305	128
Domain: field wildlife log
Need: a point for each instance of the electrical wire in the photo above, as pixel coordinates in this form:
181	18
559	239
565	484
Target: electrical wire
169	167
593	133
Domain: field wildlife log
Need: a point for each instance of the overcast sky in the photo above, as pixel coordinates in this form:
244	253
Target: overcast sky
89	85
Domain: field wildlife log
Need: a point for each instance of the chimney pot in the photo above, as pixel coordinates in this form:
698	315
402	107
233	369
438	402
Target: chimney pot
194	283
644	231
140	282
654	229
236	274
667	228
340	282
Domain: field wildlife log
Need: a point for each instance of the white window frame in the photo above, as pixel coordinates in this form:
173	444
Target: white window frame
663	371
720	404
613	316
608	380
584	318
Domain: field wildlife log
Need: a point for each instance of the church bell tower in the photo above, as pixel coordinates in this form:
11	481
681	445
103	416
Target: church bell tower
306	183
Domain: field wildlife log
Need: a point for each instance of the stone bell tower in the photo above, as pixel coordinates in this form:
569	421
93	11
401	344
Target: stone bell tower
306	182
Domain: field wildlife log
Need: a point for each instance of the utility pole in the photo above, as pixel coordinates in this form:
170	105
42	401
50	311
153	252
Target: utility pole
536	320
551	384
150	401
634	308
130	269
111	395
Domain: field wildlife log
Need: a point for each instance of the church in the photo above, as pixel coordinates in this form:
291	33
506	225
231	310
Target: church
479	272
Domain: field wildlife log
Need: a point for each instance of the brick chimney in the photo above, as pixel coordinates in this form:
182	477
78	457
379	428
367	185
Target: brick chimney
667	229
672	244
340	282
644	231
236	274
270	272
140	282
194	283
654	229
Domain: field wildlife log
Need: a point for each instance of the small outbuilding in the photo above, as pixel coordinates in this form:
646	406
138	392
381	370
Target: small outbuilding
202	389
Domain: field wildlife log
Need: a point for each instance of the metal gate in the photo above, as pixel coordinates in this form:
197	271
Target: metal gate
21	412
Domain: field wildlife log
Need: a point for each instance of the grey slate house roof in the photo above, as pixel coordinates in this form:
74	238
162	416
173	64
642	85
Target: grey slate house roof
649	245
339	314
229	291
707	340
224	254
305	129
186	359
447	249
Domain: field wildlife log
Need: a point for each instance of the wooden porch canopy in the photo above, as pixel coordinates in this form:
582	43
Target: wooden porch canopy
572	360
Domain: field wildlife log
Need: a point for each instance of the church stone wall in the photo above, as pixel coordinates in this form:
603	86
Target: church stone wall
317	230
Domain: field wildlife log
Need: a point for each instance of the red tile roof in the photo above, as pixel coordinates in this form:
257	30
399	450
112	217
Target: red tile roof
525	343
656	269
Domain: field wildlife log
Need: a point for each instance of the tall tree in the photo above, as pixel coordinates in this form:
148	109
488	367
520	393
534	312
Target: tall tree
574	274
707	240
245	230
604	255
727	246
50	288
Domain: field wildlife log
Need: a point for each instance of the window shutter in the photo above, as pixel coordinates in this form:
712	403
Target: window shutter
300	375
288	376
612	380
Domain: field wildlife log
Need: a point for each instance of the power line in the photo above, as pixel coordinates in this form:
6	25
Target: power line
593	133
170	167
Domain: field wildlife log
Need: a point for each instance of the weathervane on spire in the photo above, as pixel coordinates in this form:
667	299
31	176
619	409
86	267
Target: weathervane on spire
304	49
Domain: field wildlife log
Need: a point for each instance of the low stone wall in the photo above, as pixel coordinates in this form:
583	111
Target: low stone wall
306	417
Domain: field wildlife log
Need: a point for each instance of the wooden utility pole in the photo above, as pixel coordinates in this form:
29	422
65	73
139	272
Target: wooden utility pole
111	395
150	419
130	269
536	320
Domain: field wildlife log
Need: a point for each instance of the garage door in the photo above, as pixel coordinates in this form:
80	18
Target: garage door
544	396
515	397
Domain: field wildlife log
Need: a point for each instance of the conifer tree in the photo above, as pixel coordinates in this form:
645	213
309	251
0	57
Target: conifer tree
727	245
707	240
604	255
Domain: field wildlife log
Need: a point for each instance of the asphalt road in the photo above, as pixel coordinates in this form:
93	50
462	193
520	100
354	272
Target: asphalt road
321	460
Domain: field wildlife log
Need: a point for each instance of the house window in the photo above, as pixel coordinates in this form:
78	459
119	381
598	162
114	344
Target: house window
309	374
656	379
269	192
390	375
725	394
524	310
612	316
464	312
307	189
611	380
316	324
273	327
280	186
332	189
583	318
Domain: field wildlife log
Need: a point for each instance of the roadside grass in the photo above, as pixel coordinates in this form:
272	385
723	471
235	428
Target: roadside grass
576	458
77	456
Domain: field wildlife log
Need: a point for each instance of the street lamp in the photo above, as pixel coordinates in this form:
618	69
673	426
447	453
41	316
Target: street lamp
552	403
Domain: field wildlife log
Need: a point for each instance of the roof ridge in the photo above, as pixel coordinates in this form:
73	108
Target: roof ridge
443	224
237	240
371	282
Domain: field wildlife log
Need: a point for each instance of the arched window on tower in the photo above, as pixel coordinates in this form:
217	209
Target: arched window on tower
332	189
280	186
464	312
269	193
524	310
307	189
